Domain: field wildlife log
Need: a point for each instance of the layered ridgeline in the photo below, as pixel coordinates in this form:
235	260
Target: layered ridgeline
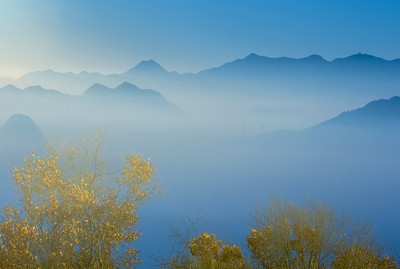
99	104
125	92
314	83
256	65
378	122
129	94
299	92
76	84
253	73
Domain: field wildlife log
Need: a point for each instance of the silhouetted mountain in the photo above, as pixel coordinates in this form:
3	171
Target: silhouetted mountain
19	137
75	84
20	133
31	90
148	67
375	124
127	92
314	59
360	58
42	77
291	67
19	124
262	64
97	90
355	141
9	88
99	107
253	74
383	112
68	82
40	90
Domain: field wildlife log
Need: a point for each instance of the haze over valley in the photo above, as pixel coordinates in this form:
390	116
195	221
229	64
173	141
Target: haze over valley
228	134
229	104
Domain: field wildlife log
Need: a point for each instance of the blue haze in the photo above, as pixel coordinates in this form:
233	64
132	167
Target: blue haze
249	115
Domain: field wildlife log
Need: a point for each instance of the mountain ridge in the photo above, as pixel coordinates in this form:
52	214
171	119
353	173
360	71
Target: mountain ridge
36	89
249	71
376	112
127	92
151	65
146	66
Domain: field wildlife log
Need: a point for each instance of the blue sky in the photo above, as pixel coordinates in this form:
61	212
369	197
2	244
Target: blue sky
185	35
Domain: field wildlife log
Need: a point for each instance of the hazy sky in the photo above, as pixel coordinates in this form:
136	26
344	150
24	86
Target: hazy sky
188	36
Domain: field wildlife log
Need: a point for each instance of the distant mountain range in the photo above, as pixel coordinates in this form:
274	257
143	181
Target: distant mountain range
289	72
358	73
356	61
75	84
124	93
128	93
35	90
99	104
301	91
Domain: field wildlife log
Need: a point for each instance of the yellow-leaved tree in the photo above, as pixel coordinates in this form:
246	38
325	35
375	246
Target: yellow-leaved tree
313	236
212	254
201	250
73	213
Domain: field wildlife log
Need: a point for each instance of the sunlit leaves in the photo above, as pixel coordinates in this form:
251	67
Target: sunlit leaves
16	238
312	236
211	253
67	222
359	257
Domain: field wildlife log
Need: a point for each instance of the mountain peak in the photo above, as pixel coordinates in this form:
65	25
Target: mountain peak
35	88
126	85
101	90
252	55
21	132
98	85
19	123
10	88
314	58
97	89
364	56
360	57
128	93
127	88
147	66
39	90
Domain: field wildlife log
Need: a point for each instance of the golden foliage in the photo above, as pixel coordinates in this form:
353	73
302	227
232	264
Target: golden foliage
359	257
312	236
68	221
290	236
213	254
